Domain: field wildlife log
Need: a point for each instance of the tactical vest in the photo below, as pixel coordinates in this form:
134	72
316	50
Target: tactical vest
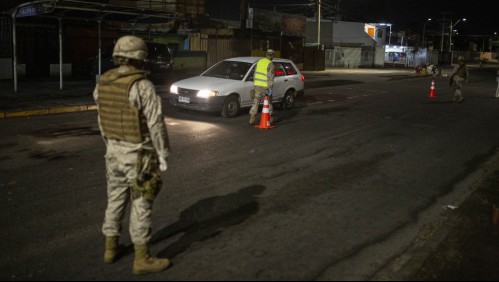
119	120
261	78
461	72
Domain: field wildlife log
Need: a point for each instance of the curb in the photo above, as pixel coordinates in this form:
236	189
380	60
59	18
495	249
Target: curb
48	111
430	237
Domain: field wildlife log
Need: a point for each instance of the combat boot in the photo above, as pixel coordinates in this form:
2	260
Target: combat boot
252	119
112	249
144	263
460	98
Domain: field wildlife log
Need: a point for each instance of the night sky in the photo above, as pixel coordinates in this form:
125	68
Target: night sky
482	15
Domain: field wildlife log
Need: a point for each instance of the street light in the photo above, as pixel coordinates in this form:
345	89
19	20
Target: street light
451	29
424	31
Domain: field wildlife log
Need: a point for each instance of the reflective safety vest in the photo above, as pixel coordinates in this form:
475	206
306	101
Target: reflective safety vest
118	119
261	78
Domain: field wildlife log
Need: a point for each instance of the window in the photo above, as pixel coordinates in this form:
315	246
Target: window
278	70
290	70
379	33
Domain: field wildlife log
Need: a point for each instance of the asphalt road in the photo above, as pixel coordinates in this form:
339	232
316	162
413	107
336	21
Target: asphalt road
340	189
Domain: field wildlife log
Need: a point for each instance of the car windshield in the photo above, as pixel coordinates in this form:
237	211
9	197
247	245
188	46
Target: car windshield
228	69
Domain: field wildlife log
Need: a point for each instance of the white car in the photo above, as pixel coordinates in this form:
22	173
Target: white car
226	86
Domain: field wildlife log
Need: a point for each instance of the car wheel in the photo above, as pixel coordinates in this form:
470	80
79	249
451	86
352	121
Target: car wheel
288	101
231	107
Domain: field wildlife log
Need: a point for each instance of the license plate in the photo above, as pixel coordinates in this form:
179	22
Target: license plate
183	99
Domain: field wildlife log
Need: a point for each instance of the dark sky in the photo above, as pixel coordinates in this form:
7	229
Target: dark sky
482	15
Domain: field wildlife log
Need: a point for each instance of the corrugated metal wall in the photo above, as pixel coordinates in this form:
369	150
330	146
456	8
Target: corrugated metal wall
314	59
218	49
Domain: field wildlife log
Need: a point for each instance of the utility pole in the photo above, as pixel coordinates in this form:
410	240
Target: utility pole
451	30
243	11
443	30
318	15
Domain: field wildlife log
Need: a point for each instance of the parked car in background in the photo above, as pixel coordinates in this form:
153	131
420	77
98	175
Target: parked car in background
158	61
225	87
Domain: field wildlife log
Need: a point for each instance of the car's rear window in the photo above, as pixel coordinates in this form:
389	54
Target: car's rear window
283	69
290	70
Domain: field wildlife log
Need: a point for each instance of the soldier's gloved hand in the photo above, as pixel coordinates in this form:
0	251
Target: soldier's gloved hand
163	166
270	92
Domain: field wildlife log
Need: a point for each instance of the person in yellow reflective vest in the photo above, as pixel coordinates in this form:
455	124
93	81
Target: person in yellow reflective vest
263	81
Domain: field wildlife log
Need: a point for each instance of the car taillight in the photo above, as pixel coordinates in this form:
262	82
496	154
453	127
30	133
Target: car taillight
302	77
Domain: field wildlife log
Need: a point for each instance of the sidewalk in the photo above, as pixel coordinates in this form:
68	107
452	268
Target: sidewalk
36	97
462	245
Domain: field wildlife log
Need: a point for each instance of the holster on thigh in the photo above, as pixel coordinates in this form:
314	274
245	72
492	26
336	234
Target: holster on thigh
148	182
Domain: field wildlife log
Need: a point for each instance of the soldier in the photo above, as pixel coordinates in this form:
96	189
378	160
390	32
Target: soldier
263	81
458	78
131	123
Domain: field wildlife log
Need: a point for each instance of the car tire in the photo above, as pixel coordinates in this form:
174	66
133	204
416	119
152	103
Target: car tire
288	101
231	107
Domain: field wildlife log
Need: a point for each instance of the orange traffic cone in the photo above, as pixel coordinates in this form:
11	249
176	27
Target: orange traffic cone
265	118
432	94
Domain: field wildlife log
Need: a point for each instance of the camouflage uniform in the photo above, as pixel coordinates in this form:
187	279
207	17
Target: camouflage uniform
131	123
459	77
125	159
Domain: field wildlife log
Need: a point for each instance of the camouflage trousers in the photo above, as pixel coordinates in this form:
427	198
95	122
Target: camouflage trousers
458	85
260	93
122	170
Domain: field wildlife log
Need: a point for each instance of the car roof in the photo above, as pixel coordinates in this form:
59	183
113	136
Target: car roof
254	59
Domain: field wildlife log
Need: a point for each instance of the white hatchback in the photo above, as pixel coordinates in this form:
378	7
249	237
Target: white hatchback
226	86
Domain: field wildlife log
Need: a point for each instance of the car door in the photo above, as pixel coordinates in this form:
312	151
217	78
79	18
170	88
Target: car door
280	82
293	76
248	86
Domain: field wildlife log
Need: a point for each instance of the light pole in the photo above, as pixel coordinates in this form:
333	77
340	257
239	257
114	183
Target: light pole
451	31
442	38
424	31
318	15
390	35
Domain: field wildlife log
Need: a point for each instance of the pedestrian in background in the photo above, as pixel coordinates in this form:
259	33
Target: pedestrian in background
131	123
458	78
263	81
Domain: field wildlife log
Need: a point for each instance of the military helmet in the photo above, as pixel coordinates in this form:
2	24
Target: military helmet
131	47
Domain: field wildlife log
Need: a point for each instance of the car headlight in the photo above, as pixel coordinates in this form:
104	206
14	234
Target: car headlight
173	89
207	93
